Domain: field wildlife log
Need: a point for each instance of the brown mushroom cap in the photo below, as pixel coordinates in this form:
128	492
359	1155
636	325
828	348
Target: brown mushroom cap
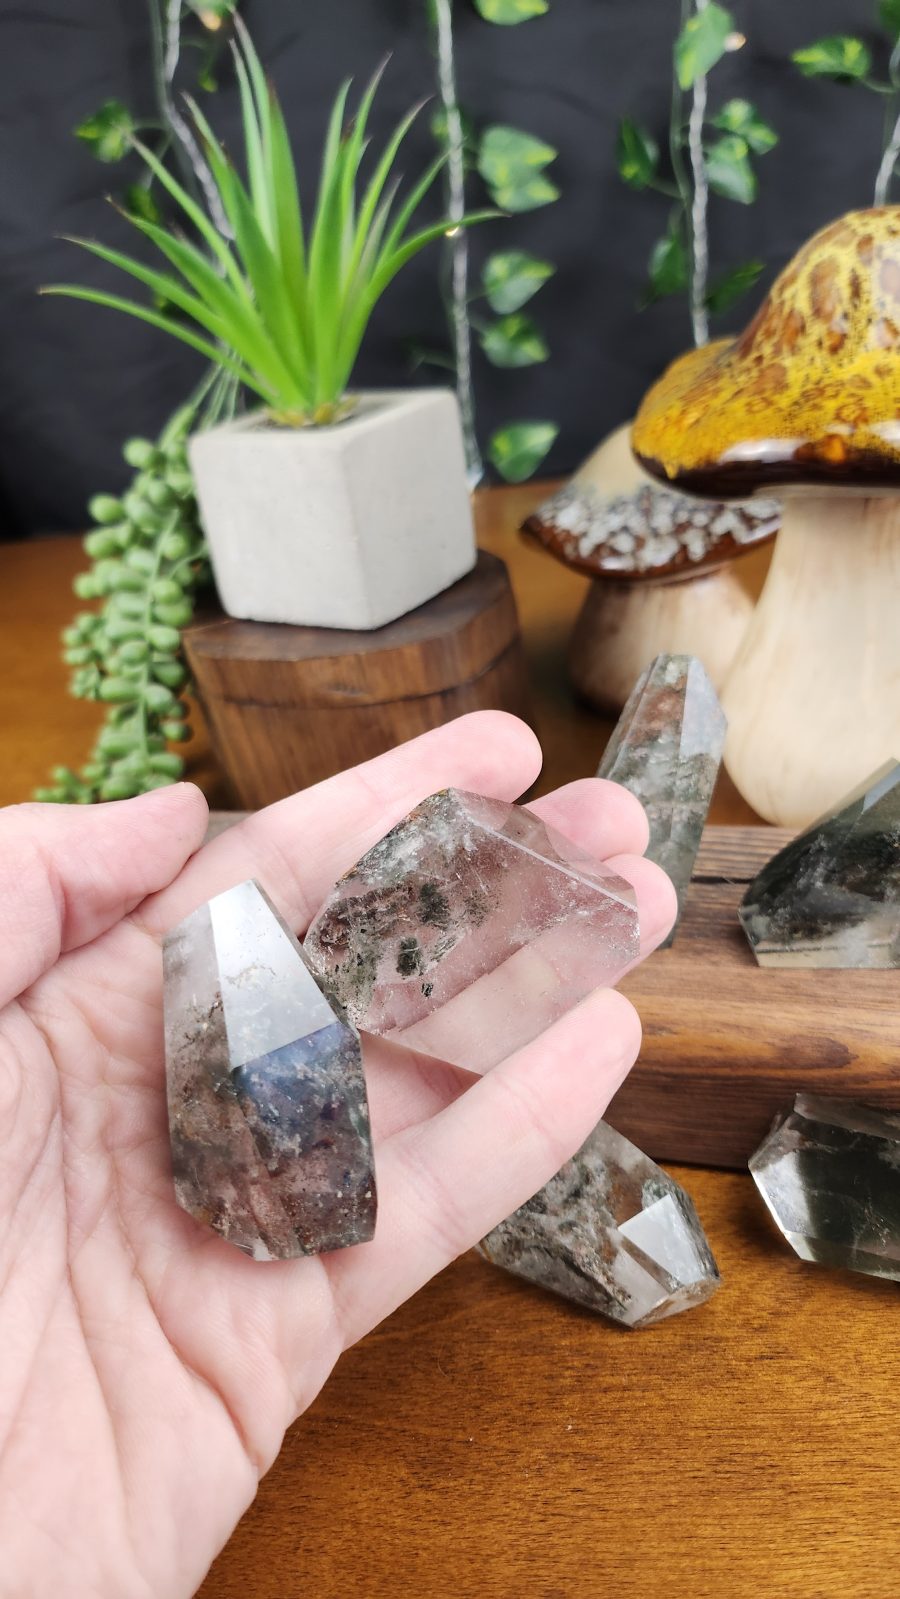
614	522
808	394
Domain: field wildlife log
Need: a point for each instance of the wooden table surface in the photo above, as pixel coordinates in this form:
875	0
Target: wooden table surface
489	1441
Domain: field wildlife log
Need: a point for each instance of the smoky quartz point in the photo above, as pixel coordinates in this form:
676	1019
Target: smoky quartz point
666	748
469	929
268	1117
612	1232
832	896
829	1172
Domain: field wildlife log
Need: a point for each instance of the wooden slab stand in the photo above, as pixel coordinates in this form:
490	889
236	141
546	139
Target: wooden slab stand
288	706
728	1043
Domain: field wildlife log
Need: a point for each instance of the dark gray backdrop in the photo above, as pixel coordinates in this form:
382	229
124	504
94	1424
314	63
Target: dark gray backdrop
76	379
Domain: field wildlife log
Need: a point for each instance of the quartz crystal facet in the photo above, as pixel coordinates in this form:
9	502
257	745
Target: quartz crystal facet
470	928
832	896
667	748
268	1117
612	1232
830	1175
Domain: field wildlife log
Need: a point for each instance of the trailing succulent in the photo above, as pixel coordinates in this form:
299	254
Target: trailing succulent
148	558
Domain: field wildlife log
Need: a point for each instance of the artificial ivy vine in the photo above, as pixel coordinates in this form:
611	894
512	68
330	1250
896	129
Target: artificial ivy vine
847	59
707	150
513	167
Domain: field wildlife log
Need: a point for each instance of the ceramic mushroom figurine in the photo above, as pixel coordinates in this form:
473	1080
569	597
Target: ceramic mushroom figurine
806	402
641	544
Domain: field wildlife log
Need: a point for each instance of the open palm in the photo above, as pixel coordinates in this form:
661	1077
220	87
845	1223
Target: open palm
147	1369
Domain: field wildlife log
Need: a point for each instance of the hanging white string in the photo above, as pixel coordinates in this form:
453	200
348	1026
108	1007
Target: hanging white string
457	244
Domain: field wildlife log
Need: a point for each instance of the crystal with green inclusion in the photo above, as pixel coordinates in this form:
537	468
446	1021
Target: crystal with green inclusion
666	748
612	1232
268	1118
470	928
829	1172
832	896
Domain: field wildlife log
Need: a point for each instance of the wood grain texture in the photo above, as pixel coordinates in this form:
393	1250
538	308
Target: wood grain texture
289	706
489	1442
728	1043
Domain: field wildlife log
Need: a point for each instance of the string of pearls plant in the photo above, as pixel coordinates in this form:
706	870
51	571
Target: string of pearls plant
148	559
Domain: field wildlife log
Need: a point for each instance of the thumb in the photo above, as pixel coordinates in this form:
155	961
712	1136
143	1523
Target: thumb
69	872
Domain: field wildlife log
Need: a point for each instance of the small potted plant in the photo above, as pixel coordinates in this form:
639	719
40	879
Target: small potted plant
320	507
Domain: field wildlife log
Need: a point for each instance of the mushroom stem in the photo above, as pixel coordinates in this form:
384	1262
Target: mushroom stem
622	626
813	698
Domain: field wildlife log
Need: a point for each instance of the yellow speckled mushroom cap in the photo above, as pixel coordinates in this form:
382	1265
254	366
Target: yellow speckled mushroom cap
809	393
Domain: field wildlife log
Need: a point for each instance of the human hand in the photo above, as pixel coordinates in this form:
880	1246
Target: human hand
148	1370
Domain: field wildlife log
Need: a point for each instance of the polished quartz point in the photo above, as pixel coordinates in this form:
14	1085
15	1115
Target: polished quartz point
830	1174
268	1117
832	896
470	928
612	1232
667	748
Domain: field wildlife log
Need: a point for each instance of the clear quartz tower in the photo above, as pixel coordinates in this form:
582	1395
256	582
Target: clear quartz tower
666	748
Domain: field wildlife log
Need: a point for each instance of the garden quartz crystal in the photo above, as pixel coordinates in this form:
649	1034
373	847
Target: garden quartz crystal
666	748
469	929
832	896
829	1172
612	1232
268	1117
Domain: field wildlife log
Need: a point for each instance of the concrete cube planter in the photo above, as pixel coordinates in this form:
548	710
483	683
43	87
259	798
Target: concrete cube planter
344	526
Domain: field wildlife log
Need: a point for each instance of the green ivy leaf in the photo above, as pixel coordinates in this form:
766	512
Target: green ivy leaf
637	154
839	56
420	355
139	202
509	12
212	13
667	268
729	171
511	163
469	133
518	449
740	117
723	293
514	341
701	43
889	12
511	277
108	131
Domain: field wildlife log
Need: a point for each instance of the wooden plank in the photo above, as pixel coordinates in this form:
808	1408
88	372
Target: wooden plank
736	854
728	1043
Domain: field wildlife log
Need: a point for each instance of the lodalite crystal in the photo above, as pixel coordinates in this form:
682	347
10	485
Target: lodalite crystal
829	1172
612	1232
268	1117
470	928
666	748
832	896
